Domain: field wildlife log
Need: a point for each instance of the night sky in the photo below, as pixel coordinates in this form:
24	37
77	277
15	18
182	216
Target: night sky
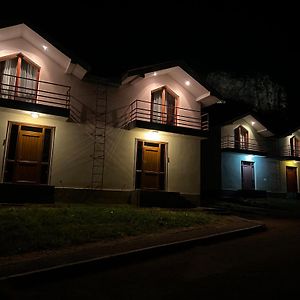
239	37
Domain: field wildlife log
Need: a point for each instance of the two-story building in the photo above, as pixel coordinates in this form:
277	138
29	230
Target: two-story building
63	130
289	152
242	157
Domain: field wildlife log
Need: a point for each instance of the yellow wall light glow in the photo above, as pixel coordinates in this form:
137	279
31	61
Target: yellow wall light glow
152	135
249	157
34	115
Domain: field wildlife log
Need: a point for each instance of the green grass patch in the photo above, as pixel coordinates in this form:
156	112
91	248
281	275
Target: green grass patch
29	228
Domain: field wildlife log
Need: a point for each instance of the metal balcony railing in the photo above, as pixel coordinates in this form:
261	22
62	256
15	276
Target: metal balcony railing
34	91
141	110
288	151
229	142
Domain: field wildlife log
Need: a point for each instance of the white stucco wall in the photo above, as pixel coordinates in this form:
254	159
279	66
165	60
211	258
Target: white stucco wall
51	71
73	145
120	98
183	167
72	163
228	130
141	90
284	142
71	159
283	165
266	172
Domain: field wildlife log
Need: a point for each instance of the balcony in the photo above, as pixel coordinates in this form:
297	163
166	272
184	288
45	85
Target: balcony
290	153
34	95
181	120
251	146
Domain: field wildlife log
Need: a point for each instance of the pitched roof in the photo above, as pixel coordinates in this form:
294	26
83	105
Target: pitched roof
180	72
23	31
277	122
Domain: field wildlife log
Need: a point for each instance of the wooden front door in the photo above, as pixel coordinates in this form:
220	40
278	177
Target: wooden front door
291	180
150	166
28	154
248	182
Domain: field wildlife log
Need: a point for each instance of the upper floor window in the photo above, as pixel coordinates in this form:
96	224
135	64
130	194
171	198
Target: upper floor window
295	146
241	138
18	78
163	106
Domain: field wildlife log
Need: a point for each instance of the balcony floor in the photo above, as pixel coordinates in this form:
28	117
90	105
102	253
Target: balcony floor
35	107
245	151
167	128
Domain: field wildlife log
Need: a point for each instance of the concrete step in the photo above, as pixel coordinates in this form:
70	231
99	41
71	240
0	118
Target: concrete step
26	193
148	198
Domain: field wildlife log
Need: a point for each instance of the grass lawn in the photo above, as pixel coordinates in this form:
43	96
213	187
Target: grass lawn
34	227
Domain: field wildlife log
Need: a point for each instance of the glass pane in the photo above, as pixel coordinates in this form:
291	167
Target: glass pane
47	145
30	128
13	142
9	171
162	181
170	101
8	78
44	173
156	106
139	155
162	157
27	84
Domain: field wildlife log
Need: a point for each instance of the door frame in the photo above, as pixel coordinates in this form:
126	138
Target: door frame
7	141
242	177
135	160
163	116
286	178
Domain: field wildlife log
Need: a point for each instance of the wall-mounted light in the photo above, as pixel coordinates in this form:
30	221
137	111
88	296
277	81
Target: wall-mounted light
188	83
45	47
34	115
154	74
152	135
252	123
249	157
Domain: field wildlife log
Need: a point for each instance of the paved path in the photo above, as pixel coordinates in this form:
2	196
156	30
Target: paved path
65	257
261	266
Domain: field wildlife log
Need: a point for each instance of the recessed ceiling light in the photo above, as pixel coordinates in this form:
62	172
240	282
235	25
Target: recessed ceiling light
45	47
187	83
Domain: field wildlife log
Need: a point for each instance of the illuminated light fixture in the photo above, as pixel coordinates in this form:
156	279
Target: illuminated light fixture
154	74
34	115
45	47
252	123
187	83
249	157
152	135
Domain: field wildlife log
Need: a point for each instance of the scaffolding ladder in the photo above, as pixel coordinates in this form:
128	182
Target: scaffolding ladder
99	134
